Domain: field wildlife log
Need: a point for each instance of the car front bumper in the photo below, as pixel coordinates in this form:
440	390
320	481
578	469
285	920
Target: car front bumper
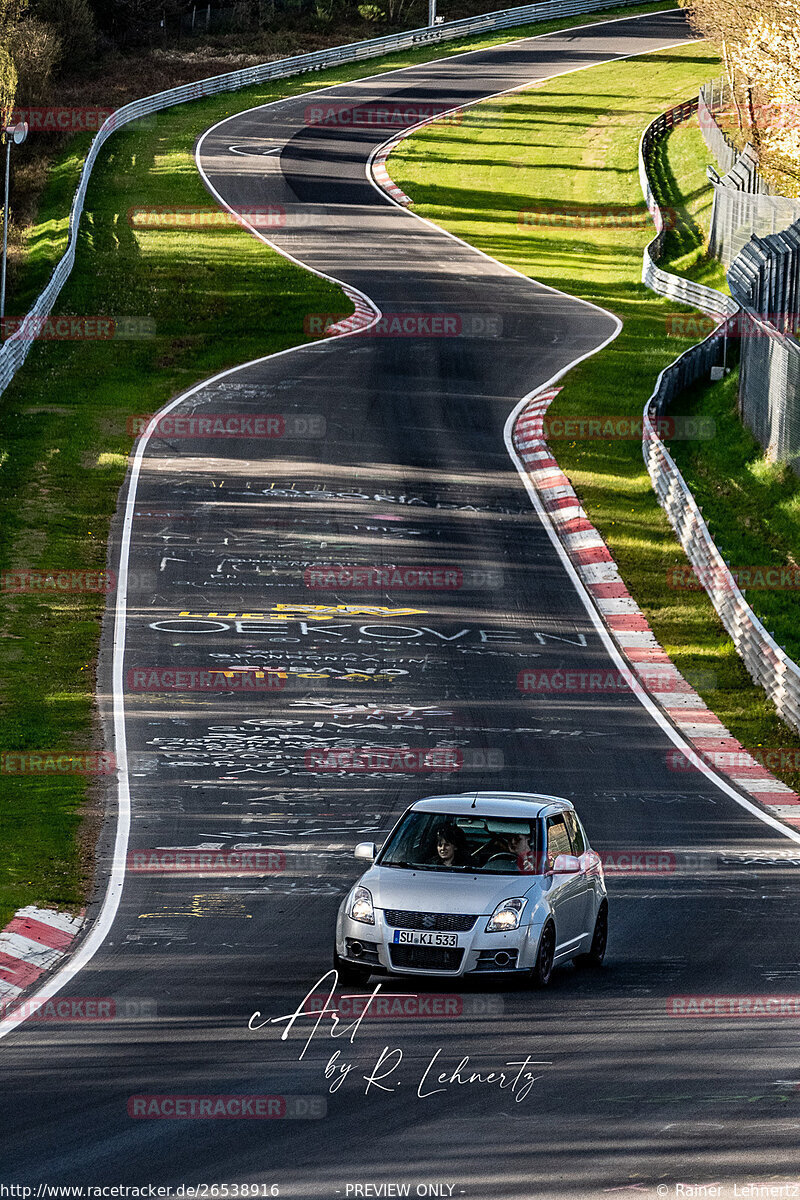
476	953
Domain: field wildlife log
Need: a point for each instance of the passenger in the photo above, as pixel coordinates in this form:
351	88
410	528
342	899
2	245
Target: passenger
451	846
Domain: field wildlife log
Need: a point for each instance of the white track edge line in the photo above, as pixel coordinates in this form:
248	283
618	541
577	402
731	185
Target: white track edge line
645	699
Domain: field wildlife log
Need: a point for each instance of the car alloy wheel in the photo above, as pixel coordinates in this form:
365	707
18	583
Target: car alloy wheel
597	950
543	969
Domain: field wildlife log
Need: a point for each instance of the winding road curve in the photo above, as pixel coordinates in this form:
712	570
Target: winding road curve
393	452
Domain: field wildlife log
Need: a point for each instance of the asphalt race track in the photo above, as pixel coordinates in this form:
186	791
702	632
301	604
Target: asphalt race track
391	451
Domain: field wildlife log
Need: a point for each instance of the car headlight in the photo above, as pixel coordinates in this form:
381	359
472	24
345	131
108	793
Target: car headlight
360	908
506	916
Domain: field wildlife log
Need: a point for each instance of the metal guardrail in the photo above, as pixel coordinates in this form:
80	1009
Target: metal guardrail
663	282
15	350
768	664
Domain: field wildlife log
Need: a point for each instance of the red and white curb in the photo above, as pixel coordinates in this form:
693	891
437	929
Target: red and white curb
362	318
382	176
33	942
630	629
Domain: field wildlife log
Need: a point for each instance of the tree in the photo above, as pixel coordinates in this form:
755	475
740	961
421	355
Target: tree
127	21
75	27
11	11
759	42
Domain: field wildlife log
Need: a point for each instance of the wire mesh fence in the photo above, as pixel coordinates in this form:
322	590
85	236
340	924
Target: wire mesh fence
715	95
765	281
756	234
744	204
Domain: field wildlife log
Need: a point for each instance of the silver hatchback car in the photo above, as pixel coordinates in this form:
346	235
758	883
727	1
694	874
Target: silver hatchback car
476	883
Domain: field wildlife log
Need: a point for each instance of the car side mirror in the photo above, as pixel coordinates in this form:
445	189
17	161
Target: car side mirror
566	864
366	851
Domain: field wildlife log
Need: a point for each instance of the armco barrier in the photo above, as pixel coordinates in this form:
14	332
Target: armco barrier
15	350
768	664
662	282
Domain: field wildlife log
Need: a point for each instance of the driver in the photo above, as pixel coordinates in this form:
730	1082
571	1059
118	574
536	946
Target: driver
514	847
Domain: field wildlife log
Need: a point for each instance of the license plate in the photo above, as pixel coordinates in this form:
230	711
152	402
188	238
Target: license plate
413	937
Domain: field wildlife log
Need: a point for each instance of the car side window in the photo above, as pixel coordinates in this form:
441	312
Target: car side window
576	833
558	841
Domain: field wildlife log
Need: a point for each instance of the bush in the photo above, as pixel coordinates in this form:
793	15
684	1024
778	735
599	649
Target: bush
371	12
36	50
74	25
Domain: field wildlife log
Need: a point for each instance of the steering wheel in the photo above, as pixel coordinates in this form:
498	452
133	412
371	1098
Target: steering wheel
502	856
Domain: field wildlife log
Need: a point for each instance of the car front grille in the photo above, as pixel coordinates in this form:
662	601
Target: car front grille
443	922
426	958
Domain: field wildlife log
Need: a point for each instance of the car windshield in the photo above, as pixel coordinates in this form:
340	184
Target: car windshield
442	842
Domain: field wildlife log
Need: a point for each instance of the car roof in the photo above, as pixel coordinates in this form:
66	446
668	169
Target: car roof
492	804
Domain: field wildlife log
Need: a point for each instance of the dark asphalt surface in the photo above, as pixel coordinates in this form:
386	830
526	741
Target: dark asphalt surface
393	453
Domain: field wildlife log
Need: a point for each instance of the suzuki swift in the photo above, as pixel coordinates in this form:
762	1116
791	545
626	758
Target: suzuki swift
500	882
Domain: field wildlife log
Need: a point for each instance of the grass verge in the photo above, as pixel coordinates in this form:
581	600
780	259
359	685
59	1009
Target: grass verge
63	441
577	139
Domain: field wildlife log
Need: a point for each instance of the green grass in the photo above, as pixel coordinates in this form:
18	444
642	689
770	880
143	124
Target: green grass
46	241
63	440
678	168
570	146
